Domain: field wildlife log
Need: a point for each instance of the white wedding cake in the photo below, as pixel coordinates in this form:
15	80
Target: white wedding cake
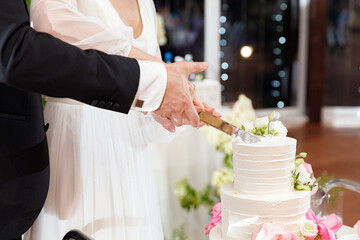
263	188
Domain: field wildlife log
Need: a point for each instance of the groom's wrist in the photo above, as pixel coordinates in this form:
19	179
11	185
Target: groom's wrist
152	86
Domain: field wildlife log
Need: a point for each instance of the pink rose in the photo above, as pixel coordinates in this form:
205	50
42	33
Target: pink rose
357	229
274	231
326	227
310	171
215	219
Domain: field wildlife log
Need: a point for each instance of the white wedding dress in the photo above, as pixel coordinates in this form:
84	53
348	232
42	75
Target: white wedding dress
101	179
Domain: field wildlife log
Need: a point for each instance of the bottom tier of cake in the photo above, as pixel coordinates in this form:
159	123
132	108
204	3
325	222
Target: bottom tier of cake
243	214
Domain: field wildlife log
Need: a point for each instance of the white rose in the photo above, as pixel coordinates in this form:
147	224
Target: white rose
304	176
248	125
278	128
261	122
308	228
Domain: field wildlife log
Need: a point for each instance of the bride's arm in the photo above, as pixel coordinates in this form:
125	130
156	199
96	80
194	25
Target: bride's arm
62	19
141	55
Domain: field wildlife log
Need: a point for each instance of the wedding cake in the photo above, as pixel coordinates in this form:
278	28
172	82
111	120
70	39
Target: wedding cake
263	189
268	187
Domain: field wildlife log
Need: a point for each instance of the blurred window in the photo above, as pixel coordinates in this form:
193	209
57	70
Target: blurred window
342	60
184	29
259	43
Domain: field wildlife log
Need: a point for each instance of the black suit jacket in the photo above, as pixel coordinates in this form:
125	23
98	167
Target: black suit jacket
32	63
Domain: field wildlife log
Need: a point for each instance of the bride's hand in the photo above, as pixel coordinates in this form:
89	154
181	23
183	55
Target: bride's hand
165	122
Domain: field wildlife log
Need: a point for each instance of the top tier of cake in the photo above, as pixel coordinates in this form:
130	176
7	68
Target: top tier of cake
264	167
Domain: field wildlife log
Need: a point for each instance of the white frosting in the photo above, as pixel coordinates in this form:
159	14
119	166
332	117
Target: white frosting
264	167
263	189
242	214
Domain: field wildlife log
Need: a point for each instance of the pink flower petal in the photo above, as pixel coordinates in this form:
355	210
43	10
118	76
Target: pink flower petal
357	229
310	215
326	233
310	171
327	227
308	167
332	222
215	219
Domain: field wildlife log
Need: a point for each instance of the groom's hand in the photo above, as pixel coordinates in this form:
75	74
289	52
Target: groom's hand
178	99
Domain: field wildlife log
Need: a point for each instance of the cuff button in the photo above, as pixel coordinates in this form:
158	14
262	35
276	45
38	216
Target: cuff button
115	107
108	105
94	102
101	104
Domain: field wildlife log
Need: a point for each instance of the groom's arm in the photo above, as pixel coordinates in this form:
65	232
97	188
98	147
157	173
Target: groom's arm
41	63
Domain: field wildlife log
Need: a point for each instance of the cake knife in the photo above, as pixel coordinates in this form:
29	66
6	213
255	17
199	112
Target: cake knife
227	128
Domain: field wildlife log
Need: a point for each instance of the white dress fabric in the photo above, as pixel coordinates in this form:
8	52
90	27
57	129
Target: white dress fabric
101	179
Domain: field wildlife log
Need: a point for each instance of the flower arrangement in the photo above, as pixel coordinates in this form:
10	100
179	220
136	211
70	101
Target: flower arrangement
222	177
303	175
312	228
264	126
320	229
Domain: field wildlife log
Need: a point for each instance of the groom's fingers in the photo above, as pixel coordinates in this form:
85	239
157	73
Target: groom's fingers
192	116
196	67
198	105
211	110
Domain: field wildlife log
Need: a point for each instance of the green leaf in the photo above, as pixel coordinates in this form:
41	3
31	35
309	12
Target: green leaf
312	175
228	160
272	115
317	180
318	237
242	127
302	155
297	176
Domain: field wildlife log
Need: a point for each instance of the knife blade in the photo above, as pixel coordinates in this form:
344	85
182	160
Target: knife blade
227	128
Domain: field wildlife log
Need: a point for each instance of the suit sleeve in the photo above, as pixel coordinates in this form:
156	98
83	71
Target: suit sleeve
64	20
41	63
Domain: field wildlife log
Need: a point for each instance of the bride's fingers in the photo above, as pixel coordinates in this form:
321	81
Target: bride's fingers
168	125
165	122
178	120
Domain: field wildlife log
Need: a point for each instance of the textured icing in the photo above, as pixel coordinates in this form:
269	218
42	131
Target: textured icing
242	214
264	167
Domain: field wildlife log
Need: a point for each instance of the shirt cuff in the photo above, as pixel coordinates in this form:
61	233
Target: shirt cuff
152	86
